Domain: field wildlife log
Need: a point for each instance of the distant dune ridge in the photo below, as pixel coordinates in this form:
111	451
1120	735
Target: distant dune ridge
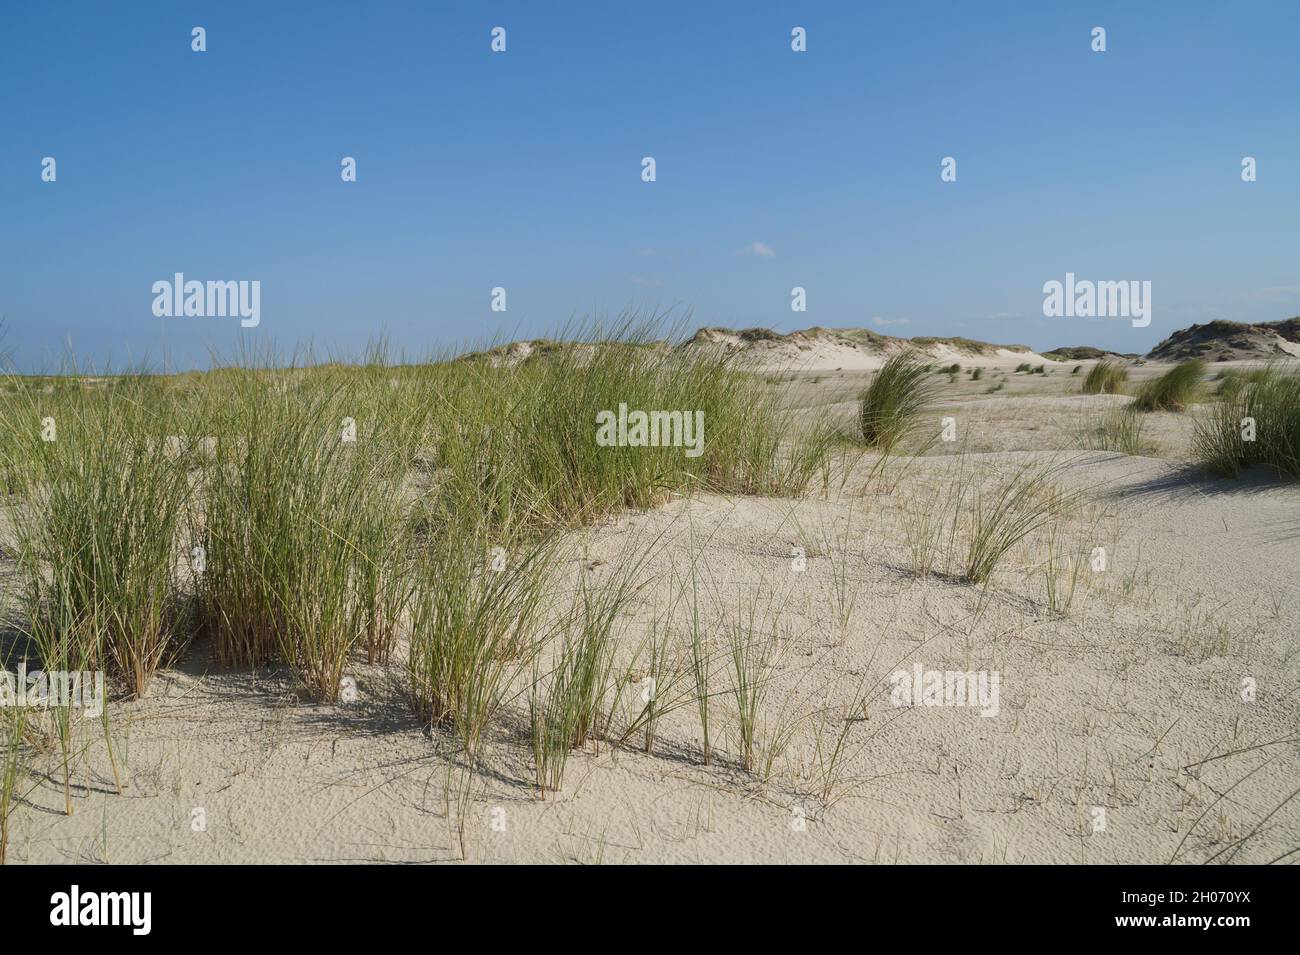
817	349
860	349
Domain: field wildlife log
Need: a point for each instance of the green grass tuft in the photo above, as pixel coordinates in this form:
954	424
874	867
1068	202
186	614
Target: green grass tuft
1106	377
1175	390
892	404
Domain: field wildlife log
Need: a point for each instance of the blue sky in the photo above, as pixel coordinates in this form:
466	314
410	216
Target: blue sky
522	169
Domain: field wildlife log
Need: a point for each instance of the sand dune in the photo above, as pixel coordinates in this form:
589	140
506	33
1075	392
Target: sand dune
1122	724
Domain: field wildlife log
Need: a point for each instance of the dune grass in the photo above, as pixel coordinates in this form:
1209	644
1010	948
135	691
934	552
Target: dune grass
301	526
1175	390
95	535
1119	429
312	515
755	650
13	739
570	712
890	407
1006	512
1232	381
519	443
473	628
1107	377
1256	423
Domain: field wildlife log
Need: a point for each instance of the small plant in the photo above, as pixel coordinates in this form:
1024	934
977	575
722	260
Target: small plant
662	686
1076	369
1120	429
574	708
568	714
701	669
1105	378
472	629
923	526
1061	570
1023	367
1175	390
977	374
832	751
838	547
13	726
891	406
1006	514
754	653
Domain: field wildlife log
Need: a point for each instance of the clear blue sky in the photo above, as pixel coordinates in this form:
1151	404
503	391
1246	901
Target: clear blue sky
522	169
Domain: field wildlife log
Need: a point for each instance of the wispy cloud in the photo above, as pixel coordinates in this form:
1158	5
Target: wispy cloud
1276	291
642	280
882	322
759	249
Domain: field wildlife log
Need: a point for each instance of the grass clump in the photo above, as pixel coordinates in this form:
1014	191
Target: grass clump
1258	423
1175	390
892	404
13	737
1119	429
96	535
1107	377
570	712
520	443
473	627
300	527
1231	381
1006	513
755	651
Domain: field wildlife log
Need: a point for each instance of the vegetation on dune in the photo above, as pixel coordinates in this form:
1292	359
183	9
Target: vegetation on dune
1231	380
520	444
1175	390
300	524
891	405
105	494
1257	422
1107	377
1120	429
292	513
313	517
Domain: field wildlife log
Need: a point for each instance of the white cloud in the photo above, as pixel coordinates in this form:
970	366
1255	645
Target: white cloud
759	249
641	280
882	322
